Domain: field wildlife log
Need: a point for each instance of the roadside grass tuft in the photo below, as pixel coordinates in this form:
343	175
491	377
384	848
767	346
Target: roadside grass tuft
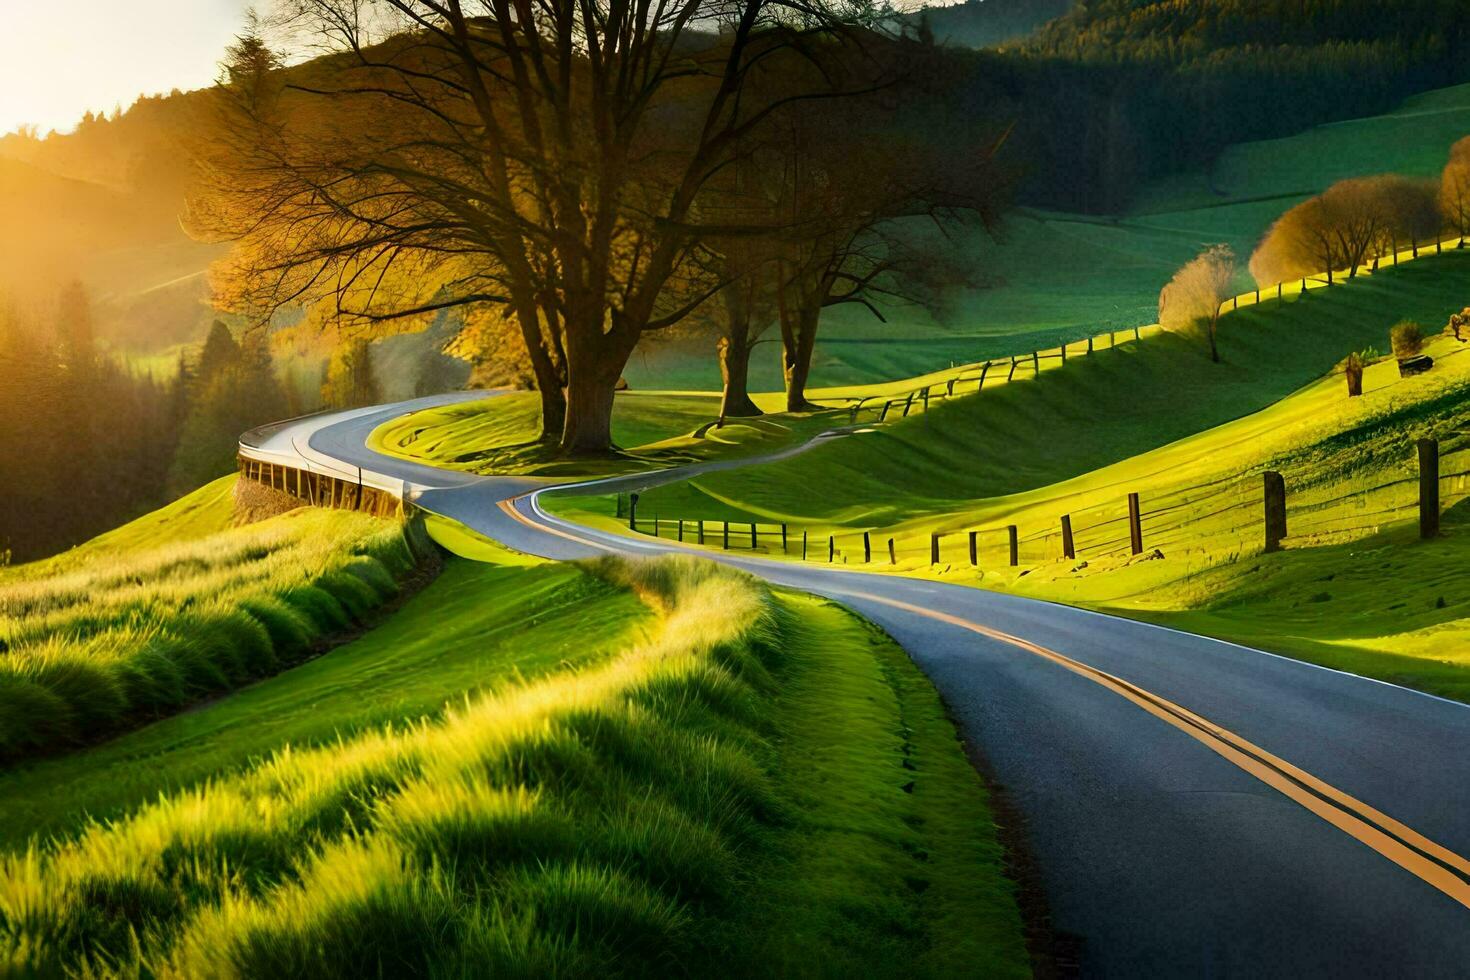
94	648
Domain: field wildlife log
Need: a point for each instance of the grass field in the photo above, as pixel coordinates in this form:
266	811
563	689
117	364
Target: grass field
1398	610
162	612
653	429
1062	277
645	803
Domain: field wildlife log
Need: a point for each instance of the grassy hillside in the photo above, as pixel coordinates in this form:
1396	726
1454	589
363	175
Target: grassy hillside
654	429
1062	276
1354	589
146	621
646	802
1095	411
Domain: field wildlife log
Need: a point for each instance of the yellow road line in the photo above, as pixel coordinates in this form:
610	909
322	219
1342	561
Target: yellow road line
1395	841
1410	850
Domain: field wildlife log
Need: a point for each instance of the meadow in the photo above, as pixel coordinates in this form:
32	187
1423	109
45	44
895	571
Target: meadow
693	796
1194	451
1054	277
152	617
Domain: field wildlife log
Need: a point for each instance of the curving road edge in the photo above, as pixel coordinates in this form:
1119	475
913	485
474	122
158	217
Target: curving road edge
1193	806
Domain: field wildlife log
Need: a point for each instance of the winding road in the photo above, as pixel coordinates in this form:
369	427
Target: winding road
1193	807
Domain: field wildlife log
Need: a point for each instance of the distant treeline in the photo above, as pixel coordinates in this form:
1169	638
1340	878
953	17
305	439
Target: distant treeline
1117	91
86	443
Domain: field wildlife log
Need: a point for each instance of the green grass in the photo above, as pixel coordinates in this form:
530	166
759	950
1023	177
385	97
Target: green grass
1353	590
479	624
129	628
653	429
636	813
945	467
1057	277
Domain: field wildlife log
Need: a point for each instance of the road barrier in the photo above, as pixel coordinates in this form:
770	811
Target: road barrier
321	489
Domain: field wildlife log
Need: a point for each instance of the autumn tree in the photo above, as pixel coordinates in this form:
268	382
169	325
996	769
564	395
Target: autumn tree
1192	299
1346	226
1454	188
548	159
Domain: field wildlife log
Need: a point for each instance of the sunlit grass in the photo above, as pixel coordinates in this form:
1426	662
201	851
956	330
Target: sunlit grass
614	817
102	639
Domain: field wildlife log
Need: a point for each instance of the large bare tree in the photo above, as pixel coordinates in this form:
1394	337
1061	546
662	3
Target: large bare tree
549	158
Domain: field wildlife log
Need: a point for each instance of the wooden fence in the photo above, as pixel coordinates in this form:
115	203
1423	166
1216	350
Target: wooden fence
1003	370
1244	513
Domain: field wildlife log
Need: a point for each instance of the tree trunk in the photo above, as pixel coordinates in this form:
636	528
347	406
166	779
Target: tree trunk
735	374
1214	351
588	427
549	381
797	345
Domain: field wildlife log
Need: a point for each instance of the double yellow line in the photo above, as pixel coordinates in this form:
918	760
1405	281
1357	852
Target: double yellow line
1431	862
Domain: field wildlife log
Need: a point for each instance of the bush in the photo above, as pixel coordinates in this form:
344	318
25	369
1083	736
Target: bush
1459	325
1407	339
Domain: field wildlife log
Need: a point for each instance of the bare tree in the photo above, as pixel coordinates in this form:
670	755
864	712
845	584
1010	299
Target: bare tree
850	175
1194	296
546	158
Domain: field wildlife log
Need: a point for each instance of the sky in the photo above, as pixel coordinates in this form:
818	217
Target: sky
58	60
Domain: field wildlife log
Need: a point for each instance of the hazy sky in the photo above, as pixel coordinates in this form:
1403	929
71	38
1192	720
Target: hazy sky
59	59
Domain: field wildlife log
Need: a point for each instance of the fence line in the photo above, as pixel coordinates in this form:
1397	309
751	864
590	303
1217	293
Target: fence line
954	386
1125	526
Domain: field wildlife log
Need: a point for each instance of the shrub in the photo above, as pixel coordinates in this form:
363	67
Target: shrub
1459	325
1407	339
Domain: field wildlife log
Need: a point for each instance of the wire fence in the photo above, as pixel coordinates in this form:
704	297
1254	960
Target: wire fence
1227	516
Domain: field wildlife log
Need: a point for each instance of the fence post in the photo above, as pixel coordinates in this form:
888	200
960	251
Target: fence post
752	536
783	538
726	543
831	549
1089	343
803	544
1428	488
1064	352
892	553
701	530
1135	525
983	372
926	398
1036	362
1068	550
949	387
974	557
908	404
934	548
1012	372
1015	545
884	414
633	512
1137	332
1275	486
867	549
681	529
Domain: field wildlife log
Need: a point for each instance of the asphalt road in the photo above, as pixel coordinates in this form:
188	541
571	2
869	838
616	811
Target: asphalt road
1194	808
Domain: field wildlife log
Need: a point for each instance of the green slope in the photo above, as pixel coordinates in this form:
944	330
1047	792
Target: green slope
1061	277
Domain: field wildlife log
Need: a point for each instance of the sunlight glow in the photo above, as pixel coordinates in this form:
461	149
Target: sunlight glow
59	61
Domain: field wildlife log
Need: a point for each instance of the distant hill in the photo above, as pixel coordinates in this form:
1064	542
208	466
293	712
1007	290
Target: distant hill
987	23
